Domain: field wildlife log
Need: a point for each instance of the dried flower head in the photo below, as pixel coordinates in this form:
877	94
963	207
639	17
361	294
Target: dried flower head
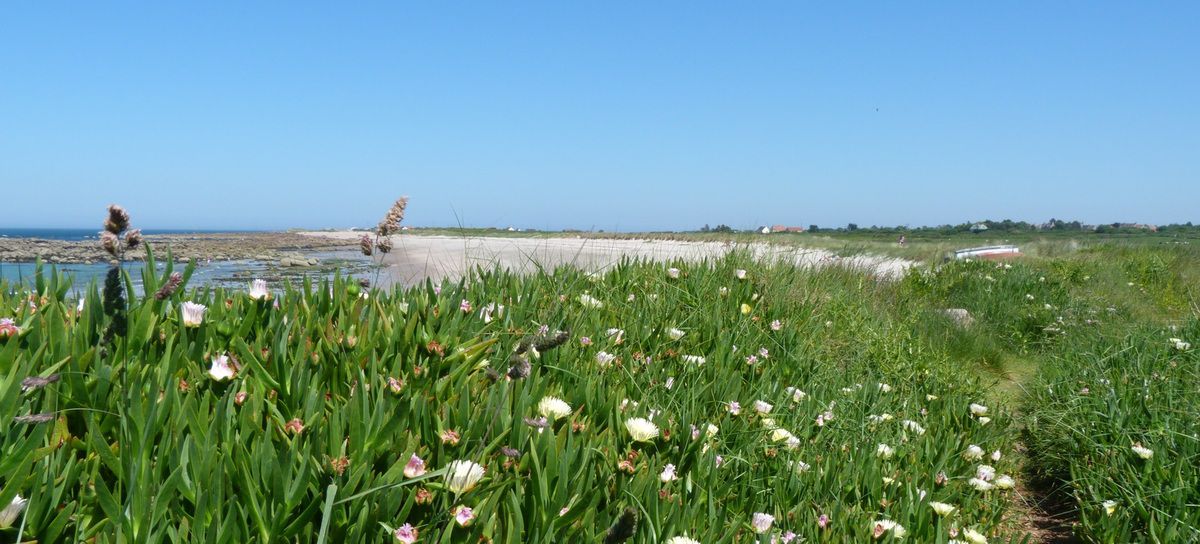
366	245
391	222
117	221
109	242
169	288
133	238
384	244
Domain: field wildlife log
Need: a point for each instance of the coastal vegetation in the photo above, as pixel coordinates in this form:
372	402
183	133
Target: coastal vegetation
725	400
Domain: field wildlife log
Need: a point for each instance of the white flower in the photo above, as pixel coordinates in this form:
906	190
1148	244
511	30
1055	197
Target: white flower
673	273
996	455
885	388
9	515
740	274
1179	344
711	430
697	360
914	427
681	540
768	423
880	418
193	314
1110	507
931	398
985	473
618	335
797	395
258	290
220	369
974	453
1005	481
1143	452
974	537
675	334
941	508
762	407
605	358
589	301
793	443
761	522
668	473
801	466
978	409
462	476
641	429
885	451
980	485
985	420
884	526
554	408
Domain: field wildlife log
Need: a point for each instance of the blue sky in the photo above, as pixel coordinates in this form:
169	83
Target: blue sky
619	116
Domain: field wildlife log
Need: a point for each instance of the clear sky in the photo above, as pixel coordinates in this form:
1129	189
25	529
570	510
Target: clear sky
620	116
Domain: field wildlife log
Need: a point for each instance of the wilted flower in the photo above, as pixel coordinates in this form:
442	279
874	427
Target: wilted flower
885	451
761	522
941	508
1141	451
240	398
258	290
9	515
589	301
450	437
973	453
221	370
295	426
554	408
193	314
641	429
978	409
675	334
406	534
762	407
109	242
462	476
781	435
463	515
668	473
415	467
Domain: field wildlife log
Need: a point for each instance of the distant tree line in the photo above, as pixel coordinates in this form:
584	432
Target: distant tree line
1005	226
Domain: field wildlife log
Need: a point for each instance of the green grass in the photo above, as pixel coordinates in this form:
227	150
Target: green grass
141	444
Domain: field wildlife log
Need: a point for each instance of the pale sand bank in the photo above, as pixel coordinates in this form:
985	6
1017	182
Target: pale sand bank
417	257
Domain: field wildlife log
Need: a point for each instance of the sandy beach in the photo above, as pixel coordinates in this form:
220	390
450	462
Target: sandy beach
417	257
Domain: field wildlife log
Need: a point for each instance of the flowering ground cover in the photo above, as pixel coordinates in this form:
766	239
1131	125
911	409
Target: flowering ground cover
714	402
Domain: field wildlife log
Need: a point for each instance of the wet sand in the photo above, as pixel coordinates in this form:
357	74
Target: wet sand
417	257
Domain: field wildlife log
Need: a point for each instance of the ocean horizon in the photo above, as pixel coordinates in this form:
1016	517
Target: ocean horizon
70	234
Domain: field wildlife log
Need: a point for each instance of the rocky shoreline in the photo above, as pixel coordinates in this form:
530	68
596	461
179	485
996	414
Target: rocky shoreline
282	248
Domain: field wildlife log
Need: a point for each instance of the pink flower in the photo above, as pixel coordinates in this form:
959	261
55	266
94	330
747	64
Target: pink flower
406	534
8	328
465	306
735	408
295	426
762	352
788	537
751	359
585	341
415	467
776	325
463	515
450	437
823	521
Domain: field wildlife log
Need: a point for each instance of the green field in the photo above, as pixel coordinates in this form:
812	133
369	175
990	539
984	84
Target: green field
699	404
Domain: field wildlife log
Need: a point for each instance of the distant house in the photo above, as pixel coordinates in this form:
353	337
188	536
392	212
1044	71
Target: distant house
785	228
764	230
978	227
